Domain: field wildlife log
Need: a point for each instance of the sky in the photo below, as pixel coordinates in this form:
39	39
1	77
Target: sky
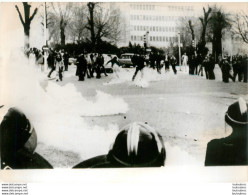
11	25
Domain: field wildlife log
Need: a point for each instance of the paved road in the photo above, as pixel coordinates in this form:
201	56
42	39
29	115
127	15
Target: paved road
187	111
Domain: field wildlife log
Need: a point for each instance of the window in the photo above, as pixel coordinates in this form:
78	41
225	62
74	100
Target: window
153	38
144	7
156	38
150	28
131	37
153	28
172	29
156	28
166	28
163	39
169	29
138	28
134	38
160	38
166	39
150	38
160	29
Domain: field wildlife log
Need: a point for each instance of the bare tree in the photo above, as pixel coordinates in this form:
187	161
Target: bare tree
240	26
103	23
26	21
78	30
204	21
60	16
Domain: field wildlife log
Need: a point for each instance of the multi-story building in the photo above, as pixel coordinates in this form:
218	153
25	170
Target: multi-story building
159	21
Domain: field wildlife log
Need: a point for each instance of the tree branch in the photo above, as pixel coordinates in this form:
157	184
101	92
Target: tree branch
35	12
20	16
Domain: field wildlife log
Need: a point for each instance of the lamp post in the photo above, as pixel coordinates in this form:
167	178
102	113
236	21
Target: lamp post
179	47
45	38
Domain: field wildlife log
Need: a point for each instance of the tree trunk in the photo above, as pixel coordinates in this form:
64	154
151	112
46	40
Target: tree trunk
218	43
62	32
91	7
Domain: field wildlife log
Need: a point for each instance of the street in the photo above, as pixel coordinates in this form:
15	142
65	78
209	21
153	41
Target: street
188	111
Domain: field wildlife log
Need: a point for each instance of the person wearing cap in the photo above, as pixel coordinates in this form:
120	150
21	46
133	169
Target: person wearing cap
136	145
18	142
231	150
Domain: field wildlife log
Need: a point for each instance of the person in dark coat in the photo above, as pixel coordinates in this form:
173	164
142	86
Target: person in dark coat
100	66
211	67
51	62
137	145
225	69
166	62
81	67
18	143
66	60
205	65
245	67
152	59
139	61
231	150
173	62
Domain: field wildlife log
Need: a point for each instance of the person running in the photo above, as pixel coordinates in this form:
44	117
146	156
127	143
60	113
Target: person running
115	66
139	61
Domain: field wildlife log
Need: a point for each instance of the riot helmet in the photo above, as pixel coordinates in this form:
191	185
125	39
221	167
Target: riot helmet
138	145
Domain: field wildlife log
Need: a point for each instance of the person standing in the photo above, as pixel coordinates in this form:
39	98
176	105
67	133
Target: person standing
245	67
173	62
211	67
51	62
185	61
59	67
81	67
225	69
66	60
166	62
100	66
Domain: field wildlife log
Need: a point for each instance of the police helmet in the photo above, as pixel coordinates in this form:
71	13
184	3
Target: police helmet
138	145
17	132
236	114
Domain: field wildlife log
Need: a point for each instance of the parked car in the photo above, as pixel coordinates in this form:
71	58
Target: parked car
125	60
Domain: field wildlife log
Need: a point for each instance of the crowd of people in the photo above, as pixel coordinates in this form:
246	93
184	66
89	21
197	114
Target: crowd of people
93	64
136	145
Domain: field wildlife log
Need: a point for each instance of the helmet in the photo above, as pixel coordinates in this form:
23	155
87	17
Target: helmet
236	114
17	132
137	145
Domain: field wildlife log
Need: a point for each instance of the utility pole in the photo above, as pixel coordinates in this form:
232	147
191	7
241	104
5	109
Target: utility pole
179	47
45	47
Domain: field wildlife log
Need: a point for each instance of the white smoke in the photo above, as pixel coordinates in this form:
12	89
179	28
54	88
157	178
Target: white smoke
56	113
149	75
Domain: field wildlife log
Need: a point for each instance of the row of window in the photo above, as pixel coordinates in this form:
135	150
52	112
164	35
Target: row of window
142	7
152	7
181	8
154	18
155	28
154	38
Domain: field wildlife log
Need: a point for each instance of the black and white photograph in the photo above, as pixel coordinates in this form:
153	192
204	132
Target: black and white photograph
96	85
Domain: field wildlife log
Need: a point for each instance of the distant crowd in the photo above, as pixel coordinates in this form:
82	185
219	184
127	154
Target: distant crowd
93	64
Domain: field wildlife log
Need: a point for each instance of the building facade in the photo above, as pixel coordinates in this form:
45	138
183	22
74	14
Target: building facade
158	21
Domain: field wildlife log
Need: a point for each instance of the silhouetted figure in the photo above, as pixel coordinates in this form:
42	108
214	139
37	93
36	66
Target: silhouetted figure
18	143
137	145
231	150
